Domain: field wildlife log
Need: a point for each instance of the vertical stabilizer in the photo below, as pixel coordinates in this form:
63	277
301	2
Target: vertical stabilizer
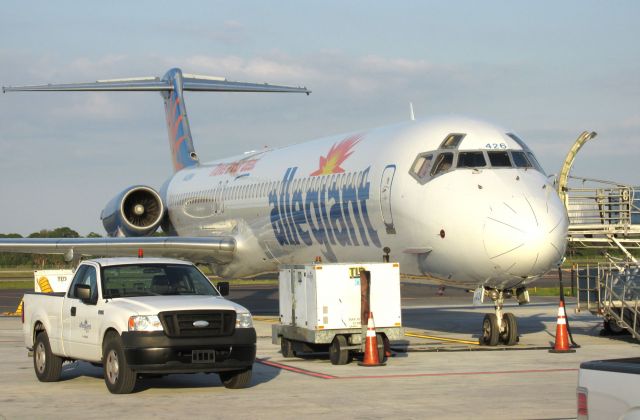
180	141
170	87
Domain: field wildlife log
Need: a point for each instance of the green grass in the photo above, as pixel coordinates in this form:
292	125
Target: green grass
15	274
16	284
246	282
548	291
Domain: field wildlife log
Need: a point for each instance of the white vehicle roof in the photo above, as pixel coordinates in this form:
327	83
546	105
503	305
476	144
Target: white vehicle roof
134	260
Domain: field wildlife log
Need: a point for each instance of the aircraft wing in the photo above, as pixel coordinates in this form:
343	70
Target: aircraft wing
217	250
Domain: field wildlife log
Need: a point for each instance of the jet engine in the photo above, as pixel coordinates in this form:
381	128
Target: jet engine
136	211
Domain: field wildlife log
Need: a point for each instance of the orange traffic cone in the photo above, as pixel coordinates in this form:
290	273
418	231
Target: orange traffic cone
562	335
371	356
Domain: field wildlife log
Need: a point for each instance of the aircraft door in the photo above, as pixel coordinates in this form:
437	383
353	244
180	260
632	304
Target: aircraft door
385	197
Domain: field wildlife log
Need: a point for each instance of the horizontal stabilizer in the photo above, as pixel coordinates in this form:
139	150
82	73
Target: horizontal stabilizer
189	83
217	250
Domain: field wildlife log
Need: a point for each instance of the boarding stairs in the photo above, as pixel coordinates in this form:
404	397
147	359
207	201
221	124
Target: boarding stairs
611	290
605	216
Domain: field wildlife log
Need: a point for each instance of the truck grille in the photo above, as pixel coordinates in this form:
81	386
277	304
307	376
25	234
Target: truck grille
186	323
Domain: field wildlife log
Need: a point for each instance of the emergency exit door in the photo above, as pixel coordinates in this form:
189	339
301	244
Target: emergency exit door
385	197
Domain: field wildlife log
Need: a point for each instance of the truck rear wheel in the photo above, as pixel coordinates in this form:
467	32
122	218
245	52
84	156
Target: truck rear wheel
118	377
46	364
236	379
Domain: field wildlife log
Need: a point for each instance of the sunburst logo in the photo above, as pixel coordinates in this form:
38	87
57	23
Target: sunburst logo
338	153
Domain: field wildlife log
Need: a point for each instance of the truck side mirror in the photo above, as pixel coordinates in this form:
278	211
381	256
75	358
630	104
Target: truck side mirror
83	292
223	288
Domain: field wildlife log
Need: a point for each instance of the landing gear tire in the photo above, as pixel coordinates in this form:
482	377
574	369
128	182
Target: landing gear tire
337	352
236	379
286	348
46	364
509	335
118	376
490	330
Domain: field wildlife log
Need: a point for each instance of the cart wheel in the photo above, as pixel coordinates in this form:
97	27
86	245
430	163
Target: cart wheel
381	354
337	352
286	347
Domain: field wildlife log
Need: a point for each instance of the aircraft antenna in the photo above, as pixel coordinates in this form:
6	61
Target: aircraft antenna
411	114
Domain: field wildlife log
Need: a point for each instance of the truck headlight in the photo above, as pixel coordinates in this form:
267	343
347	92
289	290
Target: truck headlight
244	320
145	323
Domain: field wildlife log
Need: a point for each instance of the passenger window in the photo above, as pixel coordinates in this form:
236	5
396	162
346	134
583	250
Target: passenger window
452	141
421	166
471	160
499	159
444	161
520	160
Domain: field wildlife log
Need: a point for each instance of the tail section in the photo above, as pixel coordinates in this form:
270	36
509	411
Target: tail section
170	87
180	140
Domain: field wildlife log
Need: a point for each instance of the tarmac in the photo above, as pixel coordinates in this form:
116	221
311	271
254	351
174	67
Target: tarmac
437	372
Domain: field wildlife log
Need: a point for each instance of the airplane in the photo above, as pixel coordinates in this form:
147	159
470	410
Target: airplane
458	200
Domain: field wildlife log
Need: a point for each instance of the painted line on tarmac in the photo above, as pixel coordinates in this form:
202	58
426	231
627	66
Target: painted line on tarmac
295	370
407	375
419	375
433	337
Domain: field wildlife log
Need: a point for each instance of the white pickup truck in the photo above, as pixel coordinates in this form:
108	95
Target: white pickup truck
609	389
137	317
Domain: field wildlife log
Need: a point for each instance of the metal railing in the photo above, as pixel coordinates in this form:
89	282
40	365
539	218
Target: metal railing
612	291
603	207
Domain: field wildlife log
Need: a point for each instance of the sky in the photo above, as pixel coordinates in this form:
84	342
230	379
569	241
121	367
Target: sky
547	70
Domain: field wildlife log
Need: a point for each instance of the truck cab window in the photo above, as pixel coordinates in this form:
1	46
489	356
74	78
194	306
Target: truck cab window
444	161
471	160
85	275
499	159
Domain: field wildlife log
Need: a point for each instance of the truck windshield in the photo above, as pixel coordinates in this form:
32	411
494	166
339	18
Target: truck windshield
154	279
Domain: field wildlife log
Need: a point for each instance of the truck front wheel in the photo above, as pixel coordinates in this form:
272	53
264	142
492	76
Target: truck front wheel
236	379
46	364
120	379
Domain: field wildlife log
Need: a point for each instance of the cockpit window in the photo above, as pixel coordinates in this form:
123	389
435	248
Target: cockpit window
499	159
471	160
452	141
444	161
421	166
535	162
521	160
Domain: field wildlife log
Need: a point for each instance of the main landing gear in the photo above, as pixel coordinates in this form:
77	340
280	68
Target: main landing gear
501	327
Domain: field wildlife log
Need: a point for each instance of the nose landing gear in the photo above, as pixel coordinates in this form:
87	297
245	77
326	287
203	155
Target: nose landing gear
499	327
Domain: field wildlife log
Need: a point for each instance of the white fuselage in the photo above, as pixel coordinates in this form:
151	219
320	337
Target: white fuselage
345	198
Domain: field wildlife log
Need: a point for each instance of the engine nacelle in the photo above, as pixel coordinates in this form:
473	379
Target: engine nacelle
136	211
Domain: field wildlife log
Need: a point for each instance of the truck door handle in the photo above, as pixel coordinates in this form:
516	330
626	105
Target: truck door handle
73	311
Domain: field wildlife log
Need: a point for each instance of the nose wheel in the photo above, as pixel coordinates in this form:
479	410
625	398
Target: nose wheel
499	327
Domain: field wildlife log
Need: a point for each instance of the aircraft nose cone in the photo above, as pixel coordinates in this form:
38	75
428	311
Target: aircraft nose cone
525	235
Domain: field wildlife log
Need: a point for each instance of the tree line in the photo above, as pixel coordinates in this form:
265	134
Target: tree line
39	261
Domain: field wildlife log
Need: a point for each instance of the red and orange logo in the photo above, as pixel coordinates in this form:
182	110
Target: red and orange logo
338	153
